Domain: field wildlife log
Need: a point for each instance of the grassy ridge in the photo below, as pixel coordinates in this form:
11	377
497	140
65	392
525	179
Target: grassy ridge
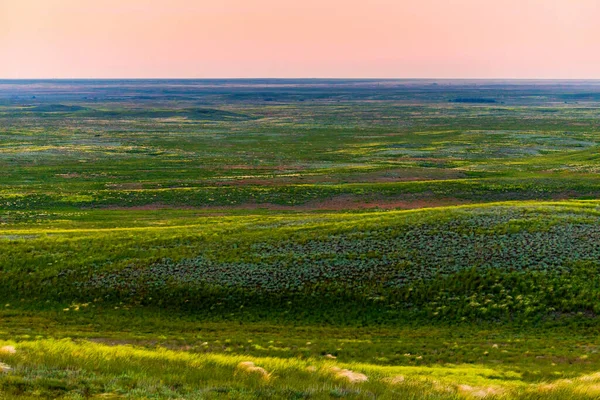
500	261
315	195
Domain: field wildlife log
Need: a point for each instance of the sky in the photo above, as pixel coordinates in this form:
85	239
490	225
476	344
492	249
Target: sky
545	39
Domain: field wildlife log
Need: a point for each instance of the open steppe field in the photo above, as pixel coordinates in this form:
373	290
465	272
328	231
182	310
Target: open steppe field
299	239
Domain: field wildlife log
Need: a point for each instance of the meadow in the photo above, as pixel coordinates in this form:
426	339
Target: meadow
299	239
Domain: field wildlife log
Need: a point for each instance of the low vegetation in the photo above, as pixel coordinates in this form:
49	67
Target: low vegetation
309	240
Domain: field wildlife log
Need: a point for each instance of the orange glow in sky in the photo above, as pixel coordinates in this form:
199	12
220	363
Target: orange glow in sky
300	38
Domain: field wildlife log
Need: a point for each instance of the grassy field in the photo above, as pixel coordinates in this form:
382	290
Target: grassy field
299	239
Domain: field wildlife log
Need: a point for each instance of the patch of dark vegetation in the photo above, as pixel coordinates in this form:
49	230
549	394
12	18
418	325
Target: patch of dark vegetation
591	96
58	108
476	100
69	111
195	114
208	114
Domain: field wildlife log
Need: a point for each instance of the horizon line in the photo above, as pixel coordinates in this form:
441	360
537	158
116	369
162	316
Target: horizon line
292	78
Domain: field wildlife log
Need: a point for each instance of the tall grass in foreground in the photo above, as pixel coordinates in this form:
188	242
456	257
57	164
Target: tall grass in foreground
74	370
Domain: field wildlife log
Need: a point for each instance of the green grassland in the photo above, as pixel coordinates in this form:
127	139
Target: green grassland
351	239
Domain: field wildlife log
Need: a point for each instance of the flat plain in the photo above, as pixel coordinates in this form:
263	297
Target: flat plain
299	239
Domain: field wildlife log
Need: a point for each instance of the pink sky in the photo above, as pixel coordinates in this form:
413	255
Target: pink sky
304	38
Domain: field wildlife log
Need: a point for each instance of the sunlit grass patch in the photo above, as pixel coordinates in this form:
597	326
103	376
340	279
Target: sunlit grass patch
64	367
